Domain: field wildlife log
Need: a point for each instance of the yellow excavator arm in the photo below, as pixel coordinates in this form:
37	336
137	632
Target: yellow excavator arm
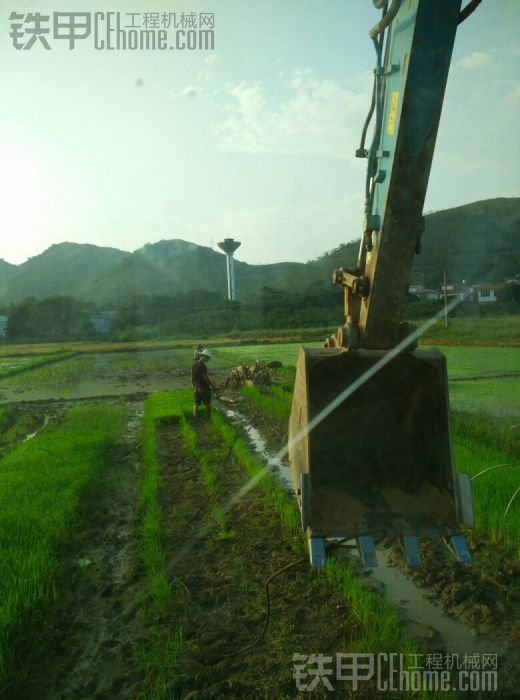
370	445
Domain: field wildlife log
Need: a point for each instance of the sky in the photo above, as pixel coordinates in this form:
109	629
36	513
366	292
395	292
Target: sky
253	140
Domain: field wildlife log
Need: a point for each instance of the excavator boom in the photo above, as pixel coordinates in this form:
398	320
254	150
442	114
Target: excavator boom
381	462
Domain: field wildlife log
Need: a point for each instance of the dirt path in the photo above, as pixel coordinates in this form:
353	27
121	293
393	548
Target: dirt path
83	648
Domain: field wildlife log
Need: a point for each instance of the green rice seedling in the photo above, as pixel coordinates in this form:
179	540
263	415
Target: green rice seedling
463	360
378	623
160	651
274	492
158	407
42	483
498	398
274	403
286	353
495	477
210	462
475	361
12	366
60	374
491	330
158	657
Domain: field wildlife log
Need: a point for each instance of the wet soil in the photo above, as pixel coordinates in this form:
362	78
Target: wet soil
83	645
108	375
223	608
91	642
103	638
484	595
482	598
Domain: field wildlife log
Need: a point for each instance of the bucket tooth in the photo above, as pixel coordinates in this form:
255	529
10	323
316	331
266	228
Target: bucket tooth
317	551
367	550
461	549
411	549
465	499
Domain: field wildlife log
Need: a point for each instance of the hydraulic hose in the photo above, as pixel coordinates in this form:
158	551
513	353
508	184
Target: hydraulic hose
386	20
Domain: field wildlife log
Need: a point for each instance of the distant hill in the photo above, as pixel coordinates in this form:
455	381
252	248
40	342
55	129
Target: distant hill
477	242
63	268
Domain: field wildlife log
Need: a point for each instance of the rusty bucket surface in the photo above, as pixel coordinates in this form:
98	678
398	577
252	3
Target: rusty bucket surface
381	462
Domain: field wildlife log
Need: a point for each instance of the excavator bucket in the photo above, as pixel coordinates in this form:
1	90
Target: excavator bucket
380	463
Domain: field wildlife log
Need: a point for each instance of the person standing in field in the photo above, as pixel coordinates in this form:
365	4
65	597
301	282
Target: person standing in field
202	384
197	351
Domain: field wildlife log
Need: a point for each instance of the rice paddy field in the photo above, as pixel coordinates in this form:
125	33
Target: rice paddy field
146	554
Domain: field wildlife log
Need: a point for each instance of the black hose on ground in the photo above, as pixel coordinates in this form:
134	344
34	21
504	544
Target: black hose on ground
257	641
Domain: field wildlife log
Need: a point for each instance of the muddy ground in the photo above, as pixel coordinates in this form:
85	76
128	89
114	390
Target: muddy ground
82	647
108	375
484	596
223	577
102	638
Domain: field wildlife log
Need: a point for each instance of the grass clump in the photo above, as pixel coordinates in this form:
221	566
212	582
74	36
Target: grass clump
42	483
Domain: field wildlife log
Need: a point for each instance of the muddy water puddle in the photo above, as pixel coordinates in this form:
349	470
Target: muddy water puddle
424	617
276	465
30	436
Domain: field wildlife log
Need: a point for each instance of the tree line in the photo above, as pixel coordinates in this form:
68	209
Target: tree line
205	313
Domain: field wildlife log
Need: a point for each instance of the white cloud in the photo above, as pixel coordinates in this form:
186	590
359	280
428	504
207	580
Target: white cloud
319	117
475	60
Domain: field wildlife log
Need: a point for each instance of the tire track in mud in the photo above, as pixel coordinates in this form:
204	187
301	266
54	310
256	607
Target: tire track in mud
221	600
83	647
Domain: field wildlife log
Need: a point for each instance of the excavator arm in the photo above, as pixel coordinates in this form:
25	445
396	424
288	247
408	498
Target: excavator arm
380	462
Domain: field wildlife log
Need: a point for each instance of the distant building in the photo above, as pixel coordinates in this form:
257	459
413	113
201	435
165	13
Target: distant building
512	280
455	291
102	323
420	291
485	293
3	326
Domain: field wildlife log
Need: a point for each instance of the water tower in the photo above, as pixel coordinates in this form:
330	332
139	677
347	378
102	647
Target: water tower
228	245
